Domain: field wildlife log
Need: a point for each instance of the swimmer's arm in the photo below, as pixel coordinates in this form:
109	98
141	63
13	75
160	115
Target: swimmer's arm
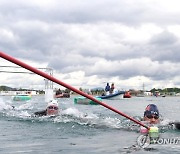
40	113
176	125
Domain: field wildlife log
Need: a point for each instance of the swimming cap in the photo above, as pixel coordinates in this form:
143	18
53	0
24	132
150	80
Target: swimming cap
151	109
53	102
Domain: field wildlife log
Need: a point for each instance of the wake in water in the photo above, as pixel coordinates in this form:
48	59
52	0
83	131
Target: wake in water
73	115
69	115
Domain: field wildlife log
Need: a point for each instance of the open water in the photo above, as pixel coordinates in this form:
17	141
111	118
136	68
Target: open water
82	129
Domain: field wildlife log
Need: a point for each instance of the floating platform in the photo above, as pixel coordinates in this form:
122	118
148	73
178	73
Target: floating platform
22	97
85	101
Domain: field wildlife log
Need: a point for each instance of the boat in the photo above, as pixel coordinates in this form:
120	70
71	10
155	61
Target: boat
115	95
60	94
22	97
127	94
63	95
85	101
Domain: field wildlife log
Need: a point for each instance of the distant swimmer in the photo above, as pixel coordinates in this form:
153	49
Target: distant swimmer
51	109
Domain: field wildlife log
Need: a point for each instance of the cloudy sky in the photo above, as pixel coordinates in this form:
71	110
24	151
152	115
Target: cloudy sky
90	42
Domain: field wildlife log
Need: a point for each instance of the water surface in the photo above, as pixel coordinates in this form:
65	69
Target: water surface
81	128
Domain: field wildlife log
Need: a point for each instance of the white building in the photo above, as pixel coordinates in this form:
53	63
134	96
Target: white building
148	93
12	93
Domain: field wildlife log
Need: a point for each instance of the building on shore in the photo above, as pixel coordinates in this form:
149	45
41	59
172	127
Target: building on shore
12	93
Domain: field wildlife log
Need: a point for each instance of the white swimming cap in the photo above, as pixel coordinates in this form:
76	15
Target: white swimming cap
53	102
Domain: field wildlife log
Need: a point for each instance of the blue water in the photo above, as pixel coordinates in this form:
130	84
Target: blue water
82	128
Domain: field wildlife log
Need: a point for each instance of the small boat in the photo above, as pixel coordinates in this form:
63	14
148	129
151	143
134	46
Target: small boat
127	94
63	95
60	94
115	95
22	97
85	101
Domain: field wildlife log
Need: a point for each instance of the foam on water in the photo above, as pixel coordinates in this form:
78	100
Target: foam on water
4	106
72	114
24	111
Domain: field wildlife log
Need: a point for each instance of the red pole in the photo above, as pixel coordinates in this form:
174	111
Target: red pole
32	69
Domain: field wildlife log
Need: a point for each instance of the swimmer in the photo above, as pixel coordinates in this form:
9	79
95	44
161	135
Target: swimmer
51	109
151	114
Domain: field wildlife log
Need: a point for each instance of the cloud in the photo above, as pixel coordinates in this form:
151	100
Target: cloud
165	46
92	42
